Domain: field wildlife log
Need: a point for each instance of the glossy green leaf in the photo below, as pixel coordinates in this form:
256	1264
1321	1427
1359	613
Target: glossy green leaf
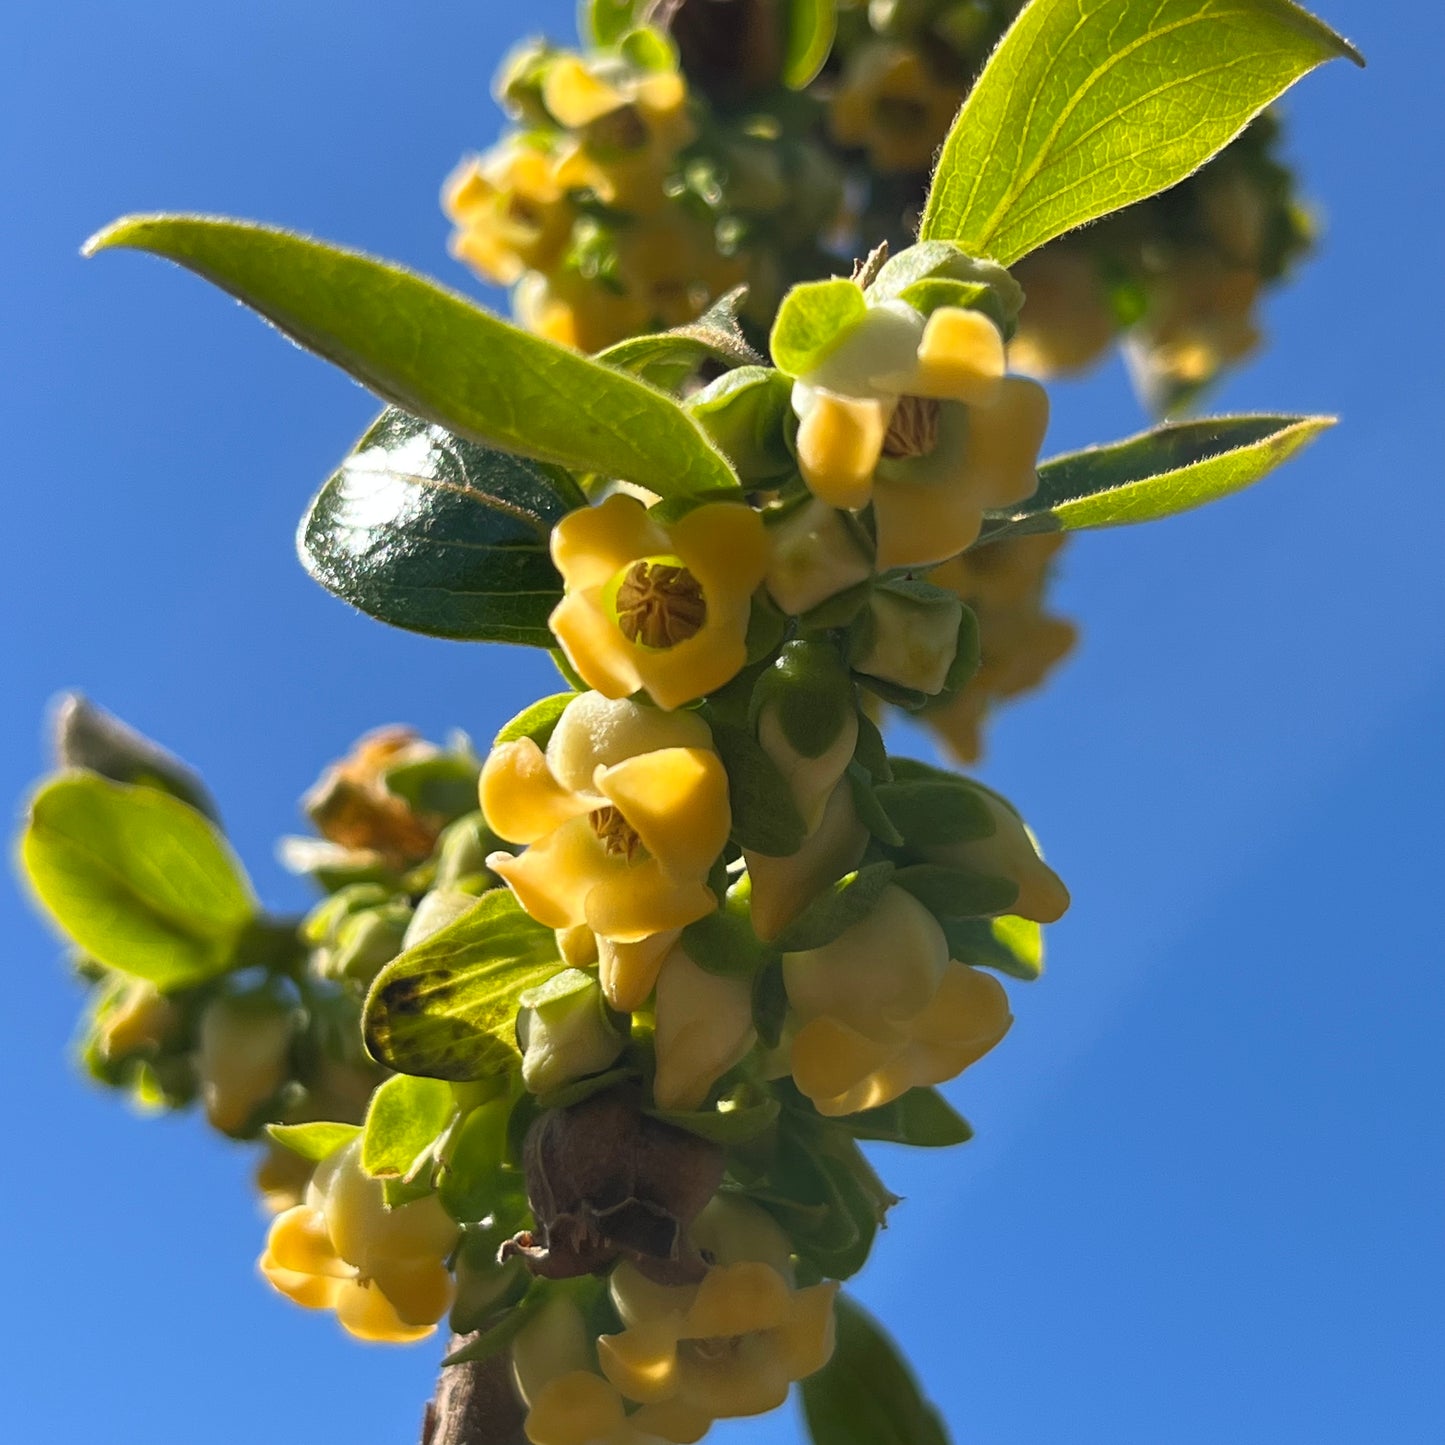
866	1394
1089	105
922	1118
812	25
425	531
1158	473
447	1008
1008	944
812	320
435	354
139	880
313	1141
848	901
403	1120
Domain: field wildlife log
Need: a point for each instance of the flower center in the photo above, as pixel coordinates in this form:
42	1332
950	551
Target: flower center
620	130
659	604
913	432
618	836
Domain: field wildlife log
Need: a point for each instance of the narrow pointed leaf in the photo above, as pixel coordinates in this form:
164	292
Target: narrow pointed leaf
139	880
812	25
438	356
1158	473
1090	105
447	1008
429	532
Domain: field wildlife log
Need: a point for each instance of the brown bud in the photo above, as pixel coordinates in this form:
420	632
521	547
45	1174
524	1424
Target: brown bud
605	1182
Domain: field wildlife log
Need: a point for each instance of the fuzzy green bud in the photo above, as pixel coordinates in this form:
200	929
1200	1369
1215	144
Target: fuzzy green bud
566	1031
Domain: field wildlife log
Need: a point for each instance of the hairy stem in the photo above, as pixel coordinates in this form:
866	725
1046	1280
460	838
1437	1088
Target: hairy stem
475	1404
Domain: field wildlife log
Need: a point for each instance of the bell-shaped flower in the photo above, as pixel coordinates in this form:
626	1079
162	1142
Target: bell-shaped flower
704	1027
624	815
732	1345
382	1270
918	417
510	213
659	607
882	1009
554	1365
891	103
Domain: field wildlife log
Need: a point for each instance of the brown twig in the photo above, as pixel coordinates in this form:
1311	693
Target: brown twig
475	1404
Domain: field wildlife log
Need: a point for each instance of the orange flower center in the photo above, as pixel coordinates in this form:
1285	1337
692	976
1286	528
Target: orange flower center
660	605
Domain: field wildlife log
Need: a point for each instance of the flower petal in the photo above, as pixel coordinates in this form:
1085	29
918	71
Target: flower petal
677	801
642	1361
553	878
640	900
364	1311
521	800
960	357
591	545
840	439
595	646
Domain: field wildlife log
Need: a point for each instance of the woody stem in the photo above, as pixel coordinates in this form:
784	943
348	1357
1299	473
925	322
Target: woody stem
475	1404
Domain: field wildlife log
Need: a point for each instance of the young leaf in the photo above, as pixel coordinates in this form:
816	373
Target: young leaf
1008	944
438	356
812	24
1090	105
538	721
922	1118
423	530
447	1008
140	881
313	1141
1171	469
402	1122
813	318
866	1394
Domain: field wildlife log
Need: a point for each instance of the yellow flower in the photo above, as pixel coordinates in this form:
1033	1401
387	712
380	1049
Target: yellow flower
918	417
1066	324
732	1345
658	607
510	213
569	1403
380	1269
1019	643
867	1032
704	1027
815	554
567	308
891	104
624	816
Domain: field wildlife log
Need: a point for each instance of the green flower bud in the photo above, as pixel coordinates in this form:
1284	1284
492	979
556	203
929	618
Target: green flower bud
367	942
244	1057
462	853
566	1031
909	636
1000	296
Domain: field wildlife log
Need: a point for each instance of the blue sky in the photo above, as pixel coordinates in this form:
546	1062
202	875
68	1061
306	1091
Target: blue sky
1205	1201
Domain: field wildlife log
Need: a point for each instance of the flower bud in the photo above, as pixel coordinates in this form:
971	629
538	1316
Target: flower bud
566	1031
909	636
139	1020
816	554
366	942
437	909
704	1027
243	1057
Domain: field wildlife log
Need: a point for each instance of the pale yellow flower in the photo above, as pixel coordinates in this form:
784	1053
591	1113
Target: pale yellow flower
732	1345
815	554
567	308
511	215
624	816
381	1270
891	104
918	417
243	1057
659	607
882	1009
1066	323
704	1026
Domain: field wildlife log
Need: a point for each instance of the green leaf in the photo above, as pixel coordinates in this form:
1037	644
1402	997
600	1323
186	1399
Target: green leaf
668	358
447	1008
866	1394
476	1178
812	320
722	1126
605	22
86	736
436	355
313	1141
445	785
848	901
139	880
536	722
402	1123
1158	473
1007	944
933	813
953	893
812	24
1089	105
765	818
922	1118
425	531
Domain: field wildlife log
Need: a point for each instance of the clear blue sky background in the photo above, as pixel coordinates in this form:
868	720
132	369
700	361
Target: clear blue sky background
1205	1203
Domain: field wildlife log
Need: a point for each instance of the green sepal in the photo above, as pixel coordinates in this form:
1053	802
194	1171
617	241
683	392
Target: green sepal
476	1177
764	817
140	881
500	1336
929	295
403	1122
1078	111
813	319
866	1394
538	722
1159	473
921	1118
916	274
954	893
936	812
724	942
871	812
667	359
747	412
314	1141
1007	944
580	1089
723	1126
839	907
871	752
447	1008
770	1003
811	695
478	376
